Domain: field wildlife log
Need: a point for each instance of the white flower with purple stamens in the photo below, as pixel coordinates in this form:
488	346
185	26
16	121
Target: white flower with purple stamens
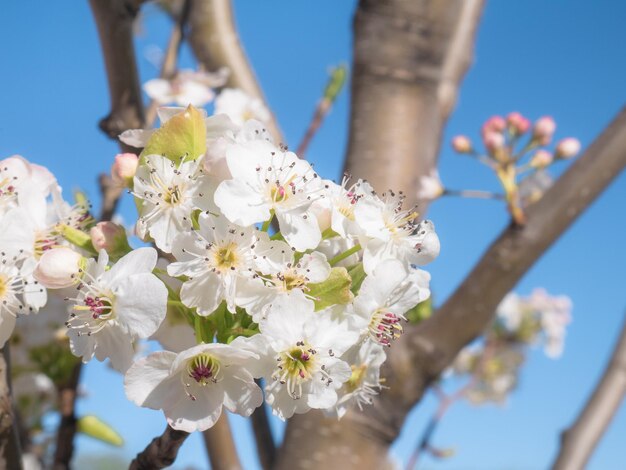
342	199
364	384
169	194
302	350
191	387
269	181
385	296
287	277
216	259
115	307
393	233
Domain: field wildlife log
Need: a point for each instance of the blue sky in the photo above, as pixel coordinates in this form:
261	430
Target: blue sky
561	58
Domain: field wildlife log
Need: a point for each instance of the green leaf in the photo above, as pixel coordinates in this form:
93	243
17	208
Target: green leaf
93	426
76	237
334	290
421	311
357	273
183	135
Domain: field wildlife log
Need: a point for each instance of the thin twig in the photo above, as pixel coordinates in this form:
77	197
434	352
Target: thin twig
168	67
67	427
580	440
321	110
161	452
265	446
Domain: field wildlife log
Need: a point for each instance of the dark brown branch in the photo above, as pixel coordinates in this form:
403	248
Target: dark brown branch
220	446
67	427
215	43
161	452
10	452
580	440
265	446
114	19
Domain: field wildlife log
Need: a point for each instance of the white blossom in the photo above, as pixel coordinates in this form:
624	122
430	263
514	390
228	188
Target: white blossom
116	306
191	387
169	194
269	181
385	296
240	106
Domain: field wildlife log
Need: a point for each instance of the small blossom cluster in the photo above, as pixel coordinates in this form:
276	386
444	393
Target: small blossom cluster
494	364
516	151
308	306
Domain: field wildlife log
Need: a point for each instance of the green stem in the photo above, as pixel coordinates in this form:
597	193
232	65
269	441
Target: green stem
266	225
344	255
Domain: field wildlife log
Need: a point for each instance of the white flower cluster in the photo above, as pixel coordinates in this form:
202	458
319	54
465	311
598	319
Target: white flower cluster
307	309
494	364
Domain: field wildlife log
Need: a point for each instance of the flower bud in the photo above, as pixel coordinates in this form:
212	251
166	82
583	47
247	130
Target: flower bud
124	168
543	130
493	141
541	159
518	124
59	268
494	124
110	237
567	148
461	144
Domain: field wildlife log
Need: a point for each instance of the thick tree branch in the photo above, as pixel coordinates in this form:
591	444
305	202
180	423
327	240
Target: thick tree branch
409	57
580	440
220	446
114	19
10	452
161	452
215	43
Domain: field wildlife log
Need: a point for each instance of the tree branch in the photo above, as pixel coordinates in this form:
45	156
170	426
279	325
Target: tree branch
580	440
168	67
67	427
265	446
215	43
405	53
10	452
161	452
220	446
114	19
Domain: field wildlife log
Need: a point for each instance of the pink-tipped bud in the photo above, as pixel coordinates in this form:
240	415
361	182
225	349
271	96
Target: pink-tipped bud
494	124
518	124
462	144
493	141
544	129
110	237
541	159
124	168
58	268
567	148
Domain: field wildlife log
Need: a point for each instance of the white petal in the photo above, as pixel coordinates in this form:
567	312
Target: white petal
141	304
141	260
301	230
241	203
147	383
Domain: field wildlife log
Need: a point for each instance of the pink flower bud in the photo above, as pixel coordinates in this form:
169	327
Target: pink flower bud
518	124
541	159
493	141
108	236
59	267
461	144
567	148
124	168
494	124
544	129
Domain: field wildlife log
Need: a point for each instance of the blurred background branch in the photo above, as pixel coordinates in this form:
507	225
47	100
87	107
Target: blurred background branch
10	452
580	440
